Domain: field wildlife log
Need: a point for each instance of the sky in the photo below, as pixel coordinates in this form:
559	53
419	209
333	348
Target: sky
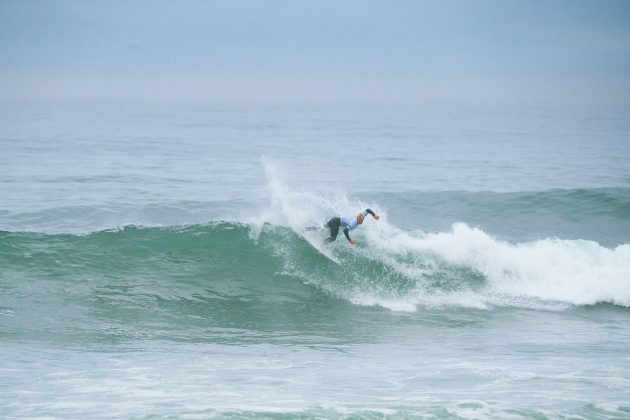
295	51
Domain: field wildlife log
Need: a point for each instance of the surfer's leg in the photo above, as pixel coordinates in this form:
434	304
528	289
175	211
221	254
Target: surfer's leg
334	228
333	224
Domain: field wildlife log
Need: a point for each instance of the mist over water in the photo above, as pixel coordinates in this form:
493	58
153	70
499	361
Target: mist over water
325	53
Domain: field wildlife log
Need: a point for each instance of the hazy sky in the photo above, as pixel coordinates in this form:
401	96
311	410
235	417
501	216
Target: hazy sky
562	52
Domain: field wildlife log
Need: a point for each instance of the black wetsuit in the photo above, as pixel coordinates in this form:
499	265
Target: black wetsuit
333	224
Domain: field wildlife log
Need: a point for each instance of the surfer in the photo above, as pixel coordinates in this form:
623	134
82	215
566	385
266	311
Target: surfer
349	223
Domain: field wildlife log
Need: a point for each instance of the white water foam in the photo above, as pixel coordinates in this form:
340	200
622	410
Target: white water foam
576	272
548	273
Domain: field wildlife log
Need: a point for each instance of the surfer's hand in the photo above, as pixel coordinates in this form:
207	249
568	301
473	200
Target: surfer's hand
376	216
352	241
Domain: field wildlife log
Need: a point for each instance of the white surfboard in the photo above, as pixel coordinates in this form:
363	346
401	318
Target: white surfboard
314	239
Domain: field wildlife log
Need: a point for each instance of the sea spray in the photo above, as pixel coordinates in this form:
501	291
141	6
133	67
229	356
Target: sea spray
465	266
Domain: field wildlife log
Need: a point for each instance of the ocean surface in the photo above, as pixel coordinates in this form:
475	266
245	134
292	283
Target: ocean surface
152	262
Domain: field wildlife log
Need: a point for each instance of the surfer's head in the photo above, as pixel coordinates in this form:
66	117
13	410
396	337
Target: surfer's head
360	218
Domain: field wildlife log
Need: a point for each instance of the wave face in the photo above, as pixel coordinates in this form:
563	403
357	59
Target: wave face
396	269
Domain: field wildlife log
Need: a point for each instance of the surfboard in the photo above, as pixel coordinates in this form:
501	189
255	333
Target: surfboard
316	242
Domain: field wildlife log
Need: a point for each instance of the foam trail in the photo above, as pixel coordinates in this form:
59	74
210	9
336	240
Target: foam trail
571	271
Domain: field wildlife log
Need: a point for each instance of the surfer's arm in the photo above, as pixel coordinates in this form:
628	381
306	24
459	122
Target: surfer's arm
370	212
347	233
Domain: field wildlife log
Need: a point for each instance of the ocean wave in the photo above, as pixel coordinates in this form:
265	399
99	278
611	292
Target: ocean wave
266	258
390	267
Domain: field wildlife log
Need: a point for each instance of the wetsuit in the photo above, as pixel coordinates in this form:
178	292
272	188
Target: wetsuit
349	223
